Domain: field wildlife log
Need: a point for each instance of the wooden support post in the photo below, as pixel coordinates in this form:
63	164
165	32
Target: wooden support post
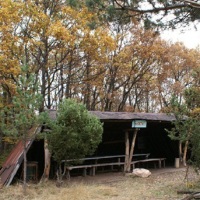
118	160
159	163
133	165
132	150
112	167
93	169
84	172
126	151
68	174
164	163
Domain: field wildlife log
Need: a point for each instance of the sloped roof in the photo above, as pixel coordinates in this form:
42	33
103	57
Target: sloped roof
15	158
132	116
104	116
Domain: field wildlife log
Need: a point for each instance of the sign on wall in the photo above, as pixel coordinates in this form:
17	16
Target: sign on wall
139	124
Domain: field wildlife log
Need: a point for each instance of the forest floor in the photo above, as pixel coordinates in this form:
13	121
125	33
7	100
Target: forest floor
162	184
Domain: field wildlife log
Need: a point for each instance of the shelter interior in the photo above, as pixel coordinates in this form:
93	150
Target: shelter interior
35	162
153	140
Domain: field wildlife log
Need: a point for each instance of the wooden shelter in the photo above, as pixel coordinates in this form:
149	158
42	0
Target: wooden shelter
119	138
118	134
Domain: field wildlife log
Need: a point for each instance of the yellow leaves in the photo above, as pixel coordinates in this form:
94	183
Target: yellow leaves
9	11
79	18
97	44
196	113
9	140
72	25
10	67
59	31
9	18
105	39
178	62
96	49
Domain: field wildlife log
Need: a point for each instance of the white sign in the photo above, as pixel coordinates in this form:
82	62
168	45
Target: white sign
139	124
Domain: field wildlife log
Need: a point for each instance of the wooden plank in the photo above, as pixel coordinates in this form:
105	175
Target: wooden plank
95	158
78	167
159	160
84	167
106	157
105	164
93	166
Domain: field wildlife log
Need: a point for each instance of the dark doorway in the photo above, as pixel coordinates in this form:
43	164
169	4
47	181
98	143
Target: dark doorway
36	154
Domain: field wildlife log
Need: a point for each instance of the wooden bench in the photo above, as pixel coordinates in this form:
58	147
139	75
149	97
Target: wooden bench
97	158
92	168
118	162
105	164
154	160
69	168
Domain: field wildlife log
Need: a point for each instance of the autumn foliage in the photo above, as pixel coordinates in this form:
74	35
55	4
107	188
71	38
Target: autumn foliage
74	54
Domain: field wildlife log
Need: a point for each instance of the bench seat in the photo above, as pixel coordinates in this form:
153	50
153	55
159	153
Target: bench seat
93	167
154	160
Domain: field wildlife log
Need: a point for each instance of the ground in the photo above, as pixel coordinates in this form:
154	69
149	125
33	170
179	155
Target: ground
109	177
162	184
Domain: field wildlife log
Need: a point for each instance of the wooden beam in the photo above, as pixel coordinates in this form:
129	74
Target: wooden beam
126	151
132	150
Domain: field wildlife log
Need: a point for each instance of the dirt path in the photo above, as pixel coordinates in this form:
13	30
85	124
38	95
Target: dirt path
103	178
162	184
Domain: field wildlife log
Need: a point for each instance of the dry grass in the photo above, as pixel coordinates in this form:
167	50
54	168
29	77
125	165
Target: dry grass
113	187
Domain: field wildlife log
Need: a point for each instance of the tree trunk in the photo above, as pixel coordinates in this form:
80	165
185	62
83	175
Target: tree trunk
43	88
59	176
48	91
185	153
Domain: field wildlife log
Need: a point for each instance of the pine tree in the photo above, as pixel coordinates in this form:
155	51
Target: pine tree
20	116
74	134
187	126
